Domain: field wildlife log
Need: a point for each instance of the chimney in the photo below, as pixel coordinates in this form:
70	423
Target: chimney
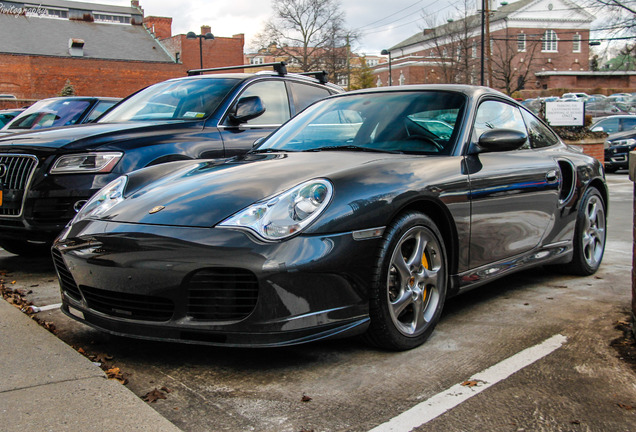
135	5
161	27
205	29
76	47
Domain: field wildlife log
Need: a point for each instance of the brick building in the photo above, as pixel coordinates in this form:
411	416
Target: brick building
521	39
102	50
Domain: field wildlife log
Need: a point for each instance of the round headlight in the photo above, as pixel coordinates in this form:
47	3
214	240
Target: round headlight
286	214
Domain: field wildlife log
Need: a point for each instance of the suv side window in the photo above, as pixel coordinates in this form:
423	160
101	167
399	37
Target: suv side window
628	124
306	94
99	109
275	99
538	133
498	115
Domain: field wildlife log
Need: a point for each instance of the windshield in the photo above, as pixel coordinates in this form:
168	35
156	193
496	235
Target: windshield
50	113
173	100
418	122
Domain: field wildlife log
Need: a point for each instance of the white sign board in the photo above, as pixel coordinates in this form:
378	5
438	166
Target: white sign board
565	113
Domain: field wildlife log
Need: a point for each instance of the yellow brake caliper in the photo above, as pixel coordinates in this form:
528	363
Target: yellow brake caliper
427	267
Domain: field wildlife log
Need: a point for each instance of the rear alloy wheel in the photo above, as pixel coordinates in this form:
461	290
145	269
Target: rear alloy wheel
409	285
589	234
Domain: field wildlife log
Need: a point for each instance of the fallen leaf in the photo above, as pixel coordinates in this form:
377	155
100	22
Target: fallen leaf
305	398
154	396
116	374
166	389
626	407
470	383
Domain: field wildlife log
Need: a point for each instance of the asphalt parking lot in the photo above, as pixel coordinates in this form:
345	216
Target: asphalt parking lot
527	353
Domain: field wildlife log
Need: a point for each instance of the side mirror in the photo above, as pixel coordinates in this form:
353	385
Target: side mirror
498	140
258	142
247	108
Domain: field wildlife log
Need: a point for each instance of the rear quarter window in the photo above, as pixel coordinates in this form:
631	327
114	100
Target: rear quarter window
306	94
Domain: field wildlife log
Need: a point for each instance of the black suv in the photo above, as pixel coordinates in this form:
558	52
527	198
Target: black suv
617	148
47	176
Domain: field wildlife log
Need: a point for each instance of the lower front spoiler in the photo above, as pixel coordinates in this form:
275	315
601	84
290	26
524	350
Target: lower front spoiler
139	330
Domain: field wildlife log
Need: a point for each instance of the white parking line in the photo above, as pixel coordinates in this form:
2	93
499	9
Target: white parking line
437	405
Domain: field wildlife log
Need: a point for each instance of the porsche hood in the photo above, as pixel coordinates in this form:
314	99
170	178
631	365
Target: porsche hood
204	194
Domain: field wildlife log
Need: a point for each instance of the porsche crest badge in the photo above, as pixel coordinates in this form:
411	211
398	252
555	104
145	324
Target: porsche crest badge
156	209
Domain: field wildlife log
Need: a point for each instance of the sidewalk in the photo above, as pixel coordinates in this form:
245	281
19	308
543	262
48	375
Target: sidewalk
45	385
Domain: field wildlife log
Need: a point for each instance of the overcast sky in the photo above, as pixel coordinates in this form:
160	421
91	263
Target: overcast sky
381	23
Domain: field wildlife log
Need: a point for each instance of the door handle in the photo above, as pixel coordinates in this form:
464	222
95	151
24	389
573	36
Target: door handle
552	176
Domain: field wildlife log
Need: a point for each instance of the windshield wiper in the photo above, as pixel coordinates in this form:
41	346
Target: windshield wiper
269	150
352	148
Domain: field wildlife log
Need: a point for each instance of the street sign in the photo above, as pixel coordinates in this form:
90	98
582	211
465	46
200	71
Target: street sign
565	113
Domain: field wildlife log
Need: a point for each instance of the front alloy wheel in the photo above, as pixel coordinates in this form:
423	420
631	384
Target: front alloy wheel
413	282
409	283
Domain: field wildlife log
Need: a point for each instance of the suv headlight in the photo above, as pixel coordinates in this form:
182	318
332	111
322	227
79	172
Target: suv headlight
624	142
105	199
286	214
95	162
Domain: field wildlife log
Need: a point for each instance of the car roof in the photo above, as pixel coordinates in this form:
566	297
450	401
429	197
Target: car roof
468	90
262	74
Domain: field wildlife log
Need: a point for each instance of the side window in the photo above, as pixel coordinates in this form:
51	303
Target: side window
628	124
305	94
99	109
538	133
609	125
497	115
274	97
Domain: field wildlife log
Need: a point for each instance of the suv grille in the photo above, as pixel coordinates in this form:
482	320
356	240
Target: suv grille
222	294
16	172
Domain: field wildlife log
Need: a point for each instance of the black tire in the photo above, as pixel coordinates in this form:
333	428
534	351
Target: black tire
409	284
589	235
25	248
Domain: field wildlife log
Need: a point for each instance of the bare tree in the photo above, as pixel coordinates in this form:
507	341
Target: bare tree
513	60
619	23
305	31
453	49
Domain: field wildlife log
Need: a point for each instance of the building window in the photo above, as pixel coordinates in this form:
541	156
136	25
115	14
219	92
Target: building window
576	43
444	53
111	18
44	12
402	80
549	43
378	83
458	53
521	42
372	62
256	60
474	49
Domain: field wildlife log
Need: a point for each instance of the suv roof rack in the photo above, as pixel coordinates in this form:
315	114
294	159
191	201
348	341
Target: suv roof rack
319	75
279	67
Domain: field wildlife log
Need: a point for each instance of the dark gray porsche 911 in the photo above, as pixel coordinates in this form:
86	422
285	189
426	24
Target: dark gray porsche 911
359	216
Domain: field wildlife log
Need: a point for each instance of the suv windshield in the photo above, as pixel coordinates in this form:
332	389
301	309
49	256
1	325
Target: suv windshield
49	113
173	100
423	122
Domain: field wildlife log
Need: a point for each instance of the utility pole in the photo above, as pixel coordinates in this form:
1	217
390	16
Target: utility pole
488	50
348	65
483	33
